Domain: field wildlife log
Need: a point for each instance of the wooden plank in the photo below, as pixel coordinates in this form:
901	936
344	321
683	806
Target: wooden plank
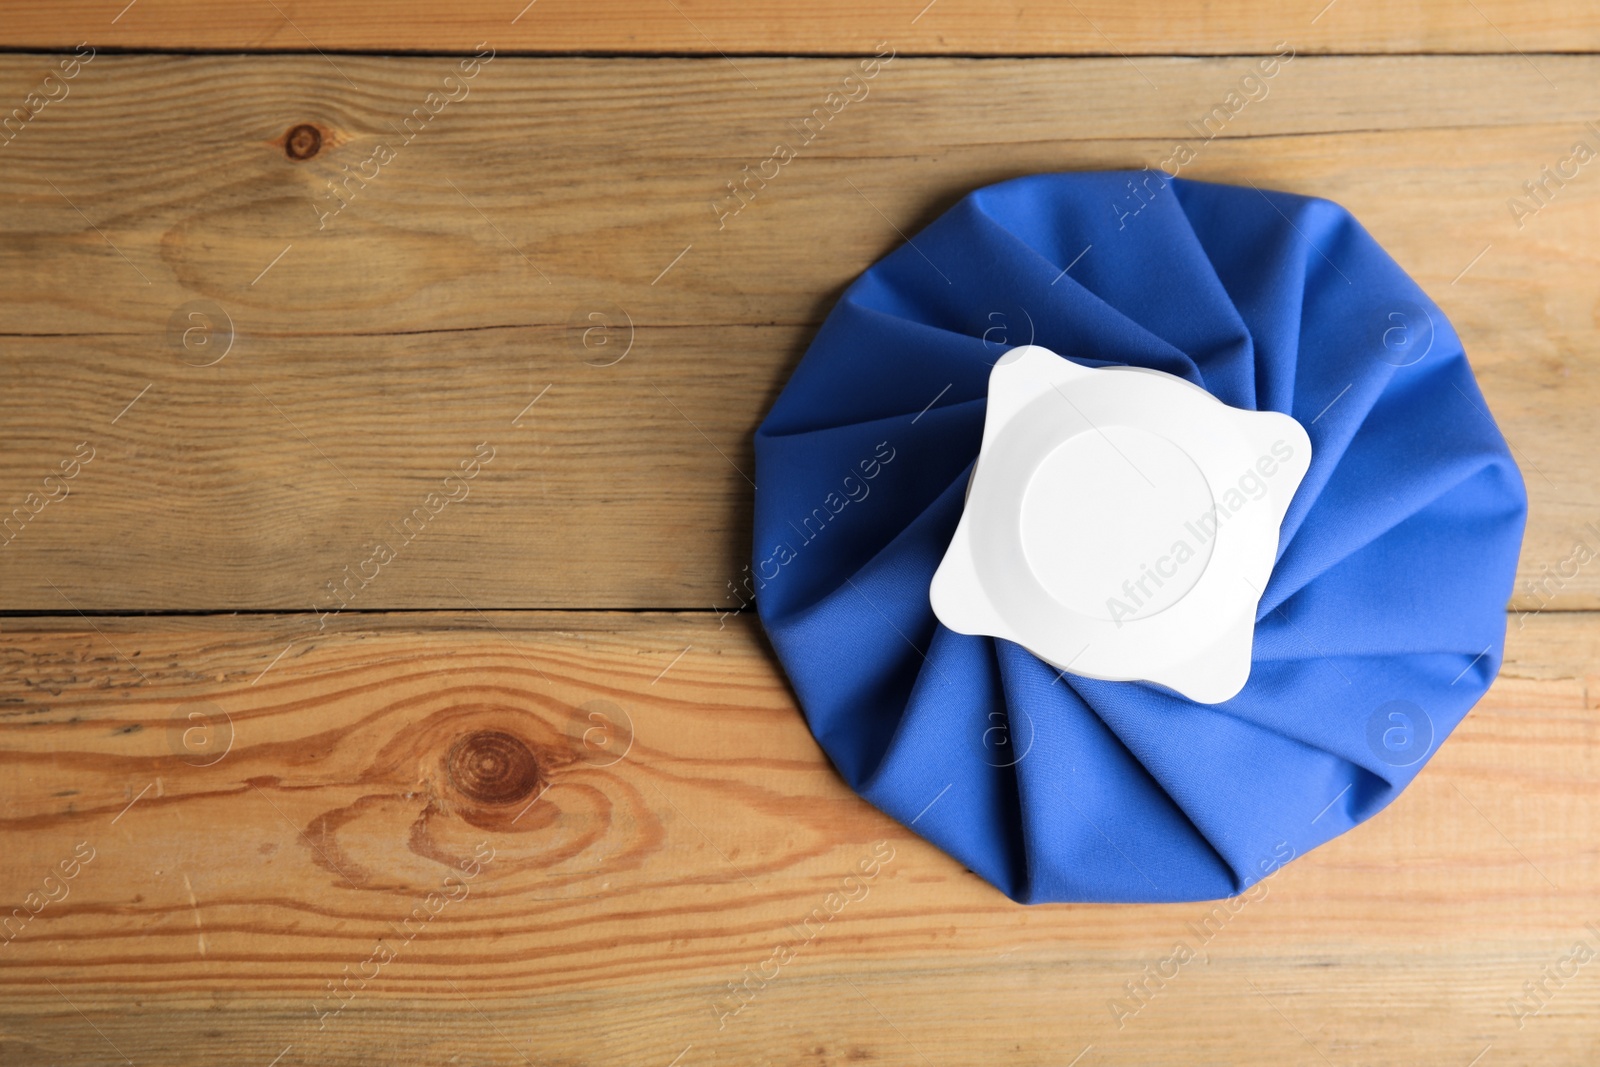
1093	27
373	354
260	483
242	861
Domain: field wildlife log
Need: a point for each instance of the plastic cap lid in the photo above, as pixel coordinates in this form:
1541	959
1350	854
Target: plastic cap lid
1121	523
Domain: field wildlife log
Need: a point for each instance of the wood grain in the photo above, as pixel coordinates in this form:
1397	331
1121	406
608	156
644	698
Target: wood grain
247	804
371	356
242	860
1093	27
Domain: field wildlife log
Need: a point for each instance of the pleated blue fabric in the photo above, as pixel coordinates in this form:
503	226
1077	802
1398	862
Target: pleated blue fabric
1384	619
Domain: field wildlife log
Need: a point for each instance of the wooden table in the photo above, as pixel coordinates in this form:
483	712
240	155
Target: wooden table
531	750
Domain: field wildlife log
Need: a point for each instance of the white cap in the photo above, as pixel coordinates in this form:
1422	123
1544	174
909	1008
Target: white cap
1121	523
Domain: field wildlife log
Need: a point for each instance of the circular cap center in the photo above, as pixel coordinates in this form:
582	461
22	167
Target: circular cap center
1117	523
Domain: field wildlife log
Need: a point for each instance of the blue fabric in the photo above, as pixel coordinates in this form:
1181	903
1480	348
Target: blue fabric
1384	619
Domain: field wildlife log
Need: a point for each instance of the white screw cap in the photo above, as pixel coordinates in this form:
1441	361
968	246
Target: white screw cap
1121	523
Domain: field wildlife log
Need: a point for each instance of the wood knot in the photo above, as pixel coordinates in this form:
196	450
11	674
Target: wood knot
303	142
492	767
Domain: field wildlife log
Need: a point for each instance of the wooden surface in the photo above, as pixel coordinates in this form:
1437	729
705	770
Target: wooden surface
244	859
247	803
373	357
1076	27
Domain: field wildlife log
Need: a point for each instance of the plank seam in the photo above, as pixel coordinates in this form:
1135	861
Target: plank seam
718	57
